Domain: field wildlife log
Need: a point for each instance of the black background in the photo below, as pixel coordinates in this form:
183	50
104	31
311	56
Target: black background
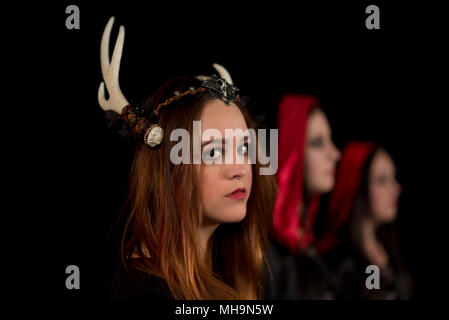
70	171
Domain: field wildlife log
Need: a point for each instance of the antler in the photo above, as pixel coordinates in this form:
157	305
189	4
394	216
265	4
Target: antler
224	74
110	71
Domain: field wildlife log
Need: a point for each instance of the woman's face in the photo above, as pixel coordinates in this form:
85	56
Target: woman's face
218	181
383	189
321	155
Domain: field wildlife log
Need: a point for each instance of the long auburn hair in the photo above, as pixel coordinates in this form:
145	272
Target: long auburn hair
160	220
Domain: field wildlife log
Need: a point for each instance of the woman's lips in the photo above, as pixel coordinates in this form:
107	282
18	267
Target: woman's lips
239	193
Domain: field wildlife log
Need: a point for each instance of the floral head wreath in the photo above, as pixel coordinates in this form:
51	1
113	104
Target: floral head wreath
220	87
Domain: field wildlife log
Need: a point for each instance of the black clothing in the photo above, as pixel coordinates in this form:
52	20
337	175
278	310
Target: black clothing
137	284
349	269
302	277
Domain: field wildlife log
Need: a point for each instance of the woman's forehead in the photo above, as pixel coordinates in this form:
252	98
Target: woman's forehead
382	163
216	115
317	123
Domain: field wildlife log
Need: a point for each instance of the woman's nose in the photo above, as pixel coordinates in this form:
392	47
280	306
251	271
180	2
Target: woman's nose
235	171
335	153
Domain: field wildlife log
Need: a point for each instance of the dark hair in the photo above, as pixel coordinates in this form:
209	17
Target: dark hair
386	233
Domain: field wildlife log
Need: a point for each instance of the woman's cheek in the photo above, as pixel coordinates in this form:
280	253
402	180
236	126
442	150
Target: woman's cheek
209	185
379	203
249	170
315	173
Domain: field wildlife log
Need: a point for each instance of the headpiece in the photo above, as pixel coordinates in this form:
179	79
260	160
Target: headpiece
220	87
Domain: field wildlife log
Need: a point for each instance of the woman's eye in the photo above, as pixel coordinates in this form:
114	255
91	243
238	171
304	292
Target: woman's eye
244	149
213	154
381	180
318	142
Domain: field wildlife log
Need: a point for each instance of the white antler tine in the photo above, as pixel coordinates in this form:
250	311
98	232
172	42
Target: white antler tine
223	73
202	78
104	47
110	71
118	49
101	95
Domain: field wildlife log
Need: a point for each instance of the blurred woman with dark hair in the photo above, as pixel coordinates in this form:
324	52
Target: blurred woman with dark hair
360	228
307	160
191	231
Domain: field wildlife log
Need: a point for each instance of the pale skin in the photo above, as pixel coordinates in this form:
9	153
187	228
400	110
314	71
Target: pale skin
383	193
321	155
383	188
219	180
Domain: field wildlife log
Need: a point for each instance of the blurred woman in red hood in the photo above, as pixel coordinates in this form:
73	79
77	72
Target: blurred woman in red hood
359	227
307	160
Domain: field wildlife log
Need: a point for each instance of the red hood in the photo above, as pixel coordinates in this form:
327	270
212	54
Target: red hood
292	121
348	177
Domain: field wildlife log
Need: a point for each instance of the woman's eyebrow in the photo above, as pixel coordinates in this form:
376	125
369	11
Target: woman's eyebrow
223	141
213	140
317	137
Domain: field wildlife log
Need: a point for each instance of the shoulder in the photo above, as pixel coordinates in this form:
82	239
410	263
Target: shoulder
135	284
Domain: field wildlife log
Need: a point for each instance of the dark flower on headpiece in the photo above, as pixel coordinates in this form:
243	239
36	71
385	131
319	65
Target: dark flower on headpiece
115	122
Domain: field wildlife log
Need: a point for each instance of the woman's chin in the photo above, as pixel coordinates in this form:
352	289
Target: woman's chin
234	216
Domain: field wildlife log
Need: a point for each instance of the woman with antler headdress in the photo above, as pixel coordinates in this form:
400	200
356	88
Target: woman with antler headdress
189	231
